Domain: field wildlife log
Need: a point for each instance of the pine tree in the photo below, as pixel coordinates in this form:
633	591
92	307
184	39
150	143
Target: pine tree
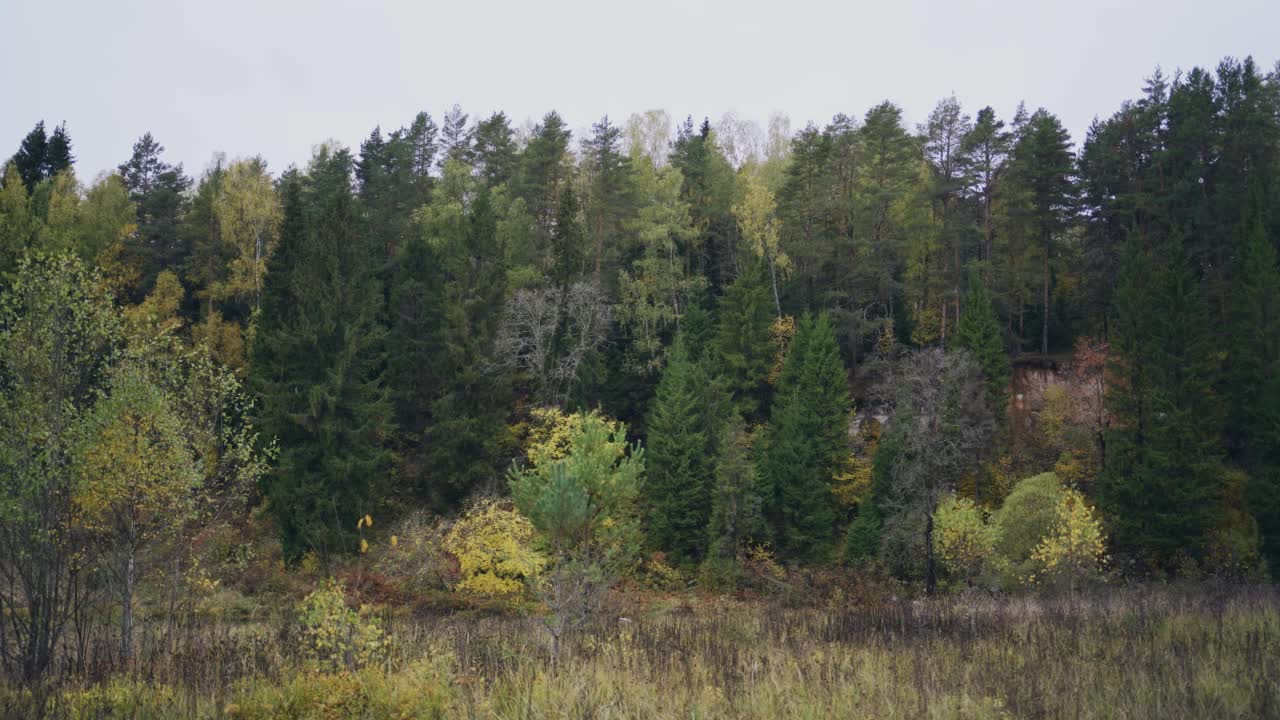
415	334
1161	483
979	333
1043	167
744	341
159	191
680	469
495	150
317	364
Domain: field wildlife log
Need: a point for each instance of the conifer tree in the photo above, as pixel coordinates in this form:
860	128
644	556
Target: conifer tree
744	342
796	498
58	157
815	369
1253	379
1161	483
735	507
979	333
159	191
317	364
32	156
681	469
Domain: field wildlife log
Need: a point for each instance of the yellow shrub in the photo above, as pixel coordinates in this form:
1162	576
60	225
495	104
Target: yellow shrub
494	547
1075	549
961	538
337	636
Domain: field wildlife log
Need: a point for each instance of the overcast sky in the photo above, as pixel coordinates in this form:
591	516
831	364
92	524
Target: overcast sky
275	77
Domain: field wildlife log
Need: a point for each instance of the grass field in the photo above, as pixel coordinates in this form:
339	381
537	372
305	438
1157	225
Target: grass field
1146	653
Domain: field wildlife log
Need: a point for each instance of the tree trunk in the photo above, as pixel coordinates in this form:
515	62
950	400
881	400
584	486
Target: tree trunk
1044	321
773	273
930	570
126	610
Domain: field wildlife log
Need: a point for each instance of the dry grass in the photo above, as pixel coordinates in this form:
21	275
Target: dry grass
1130	654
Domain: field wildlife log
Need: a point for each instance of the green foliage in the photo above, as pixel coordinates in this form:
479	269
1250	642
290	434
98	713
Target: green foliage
1027	515
862	539
744	340
979	333
735	506
1160	486
961	538
794	489
317	364
338	637
683	427
584	501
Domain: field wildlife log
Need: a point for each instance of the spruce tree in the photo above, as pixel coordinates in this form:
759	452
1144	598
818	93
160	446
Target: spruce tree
735	507
979	333
680	469
32	155
1161	481
317	365
1253	379
468	416
796	498
815	369
58	157
744	340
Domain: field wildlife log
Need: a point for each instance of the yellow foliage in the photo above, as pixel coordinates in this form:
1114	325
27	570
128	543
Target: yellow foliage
1055	415
853	483
337	636
494	547
135	472
960	537
1075	548
551	433
783	329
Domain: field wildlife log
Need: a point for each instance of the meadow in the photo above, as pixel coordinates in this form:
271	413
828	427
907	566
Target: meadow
1202	652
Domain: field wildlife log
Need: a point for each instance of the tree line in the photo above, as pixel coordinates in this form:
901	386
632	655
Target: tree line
395	315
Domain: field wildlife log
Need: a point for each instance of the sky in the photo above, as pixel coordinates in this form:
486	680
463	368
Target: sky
276	77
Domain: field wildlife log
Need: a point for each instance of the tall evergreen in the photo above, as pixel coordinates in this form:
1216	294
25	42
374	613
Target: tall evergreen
795	496
744	342
815	369
32	155
1252	379
1043	166
979	333
1161	481
680	466
317	364
159	191
735	507
495	150
462	448
58	157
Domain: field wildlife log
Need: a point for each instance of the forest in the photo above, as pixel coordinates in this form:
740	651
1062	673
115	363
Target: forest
665	418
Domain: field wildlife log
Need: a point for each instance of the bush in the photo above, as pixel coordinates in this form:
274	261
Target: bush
493	545
338	637
417	557
420	691
1021	522
1073	552
962	540
862	541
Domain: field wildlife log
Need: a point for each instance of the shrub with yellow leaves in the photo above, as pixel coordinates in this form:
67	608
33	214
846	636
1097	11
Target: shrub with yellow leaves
494	547
1074	551
961	538
337	636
